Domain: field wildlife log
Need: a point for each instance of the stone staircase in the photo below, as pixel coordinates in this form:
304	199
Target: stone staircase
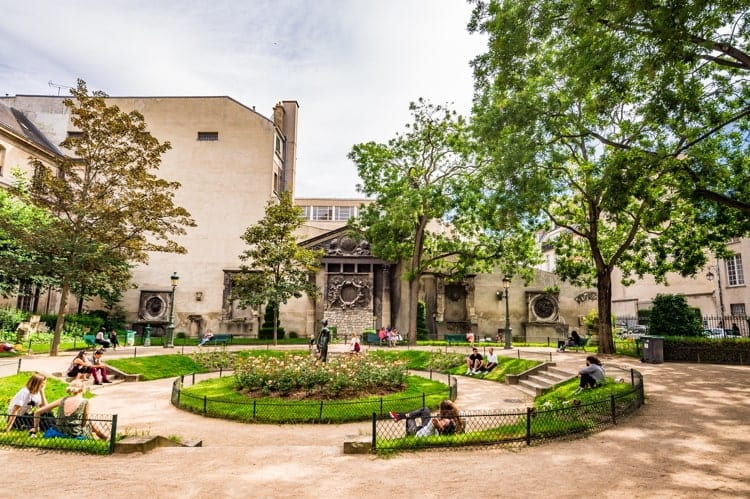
535	381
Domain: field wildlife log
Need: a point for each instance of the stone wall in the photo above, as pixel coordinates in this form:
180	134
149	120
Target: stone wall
349	321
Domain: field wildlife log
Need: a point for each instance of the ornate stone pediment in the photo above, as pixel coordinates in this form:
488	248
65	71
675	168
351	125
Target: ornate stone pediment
340	243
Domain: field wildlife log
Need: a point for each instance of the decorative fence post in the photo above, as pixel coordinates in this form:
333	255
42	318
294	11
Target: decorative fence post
528	426
19	366
374	431
320	415
113	435
205	405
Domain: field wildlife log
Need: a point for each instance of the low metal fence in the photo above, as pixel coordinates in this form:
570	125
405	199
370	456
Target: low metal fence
518	427
88	443
313	411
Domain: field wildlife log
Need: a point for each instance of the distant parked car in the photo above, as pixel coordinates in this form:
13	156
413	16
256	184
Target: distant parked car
718	332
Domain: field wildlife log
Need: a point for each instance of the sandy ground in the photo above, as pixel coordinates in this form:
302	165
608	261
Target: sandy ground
691	439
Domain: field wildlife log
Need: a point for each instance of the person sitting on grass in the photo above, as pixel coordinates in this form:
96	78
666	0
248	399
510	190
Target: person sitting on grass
473	362
447	422
71	420
491	362
591	375
21	408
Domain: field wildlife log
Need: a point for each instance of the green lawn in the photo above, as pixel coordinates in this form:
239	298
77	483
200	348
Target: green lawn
158	366
222	400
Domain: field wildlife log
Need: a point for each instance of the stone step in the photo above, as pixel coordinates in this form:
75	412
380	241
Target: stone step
536	388
562	373
545	378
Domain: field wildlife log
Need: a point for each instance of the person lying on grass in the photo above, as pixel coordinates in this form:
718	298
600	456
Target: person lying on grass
447	422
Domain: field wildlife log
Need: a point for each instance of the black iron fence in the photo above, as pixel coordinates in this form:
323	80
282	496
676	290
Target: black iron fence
88	442
517	427
300	411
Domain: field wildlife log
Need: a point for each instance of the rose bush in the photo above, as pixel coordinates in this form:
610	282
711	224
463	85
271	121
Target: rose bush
303	376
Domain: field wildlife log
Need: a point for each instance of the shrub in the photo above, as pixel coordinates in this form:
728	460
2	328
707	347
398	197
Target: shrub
266	329
301	375
10	318
671	316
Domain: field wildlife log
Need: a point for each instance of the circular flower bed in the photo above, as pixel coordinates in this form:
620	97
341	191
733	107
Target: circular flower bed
301	376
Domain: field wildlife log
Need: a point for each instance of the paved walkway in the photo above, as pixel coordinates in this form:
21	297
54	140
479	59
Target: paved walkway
691	439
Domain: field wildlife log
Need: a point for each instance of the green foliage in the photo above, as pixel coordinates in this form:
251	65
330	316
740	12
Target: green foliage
268	327
275	268
158	366
621	124
224	401
10	318
302	374
106	208
671	316
422	332
426	180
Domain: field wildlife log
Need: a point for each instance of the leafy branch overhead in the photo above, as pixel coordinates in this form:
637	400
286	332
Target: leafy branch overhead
623	124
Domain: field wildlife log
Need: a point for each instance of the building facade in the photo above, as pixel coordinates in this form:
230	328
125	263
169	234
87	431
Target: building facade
230	161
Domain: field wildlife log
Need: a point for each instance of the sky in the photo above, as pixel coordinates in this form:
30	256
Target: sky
352	65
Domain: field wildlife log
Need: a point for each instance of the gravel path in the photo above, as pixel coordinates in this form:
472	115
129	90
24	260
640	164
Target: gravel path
691	439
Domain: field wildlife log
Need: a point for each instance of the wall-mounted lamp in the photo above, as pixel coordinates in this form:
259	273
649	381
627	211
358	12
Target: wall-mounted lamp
499	294
198	295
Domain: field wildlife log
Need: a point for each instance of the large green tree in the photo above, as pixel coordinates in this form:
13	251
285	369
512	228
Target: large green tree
277	268
106	205
624	124
429	211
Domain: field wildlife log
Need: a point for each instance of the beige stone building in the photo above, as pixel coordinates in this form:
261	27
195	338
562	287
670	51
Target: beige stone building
230	161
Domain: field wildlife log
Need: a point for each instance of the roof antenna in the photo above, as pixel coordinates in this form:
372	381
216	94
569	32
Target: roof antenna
59	87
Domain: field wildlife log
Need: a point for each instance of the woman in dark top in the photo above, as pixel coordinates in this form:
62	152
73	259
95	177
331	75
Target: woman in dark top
573	341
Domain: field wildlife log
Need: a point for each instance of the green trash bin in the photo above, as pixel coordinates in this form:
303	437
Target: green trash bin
130	338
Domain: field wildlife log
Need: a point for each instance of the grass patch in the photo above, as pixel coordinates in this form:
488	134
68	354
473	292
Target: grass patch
158	366
563	394
224	401
53	390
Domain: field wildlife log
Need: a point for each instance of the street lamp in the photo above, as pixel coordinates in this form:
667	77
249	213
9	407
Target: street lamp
508	337
169	343
710	277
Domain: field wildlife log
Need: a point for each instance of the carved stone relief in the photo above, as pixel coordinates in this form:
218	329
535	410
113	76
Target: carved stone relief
344	246
154	306
349	291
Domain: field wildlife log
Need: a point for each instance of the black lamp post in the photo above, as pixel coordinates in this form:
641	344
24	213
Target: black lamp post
508	338
169	343
710	277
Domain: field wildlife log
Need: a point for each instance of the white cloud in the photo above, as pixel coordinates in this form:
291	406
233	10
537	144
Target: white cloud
353	66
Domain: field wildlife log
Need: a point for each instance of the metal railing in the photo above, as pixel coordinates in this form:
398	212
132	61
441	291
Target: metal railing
518	427
88	443
313	411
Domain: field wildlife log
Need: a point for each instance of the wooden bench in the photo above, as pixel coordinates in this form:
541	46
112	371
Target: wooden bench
224	339
455	338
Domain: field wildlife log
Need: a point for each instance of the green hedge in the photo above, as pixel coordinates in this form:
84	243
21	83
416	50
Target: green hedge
715	351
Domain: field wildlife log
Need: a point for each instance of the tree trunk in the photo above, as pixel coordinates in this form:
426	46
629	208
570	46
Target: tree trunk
275	324
413	301
64	292
604	293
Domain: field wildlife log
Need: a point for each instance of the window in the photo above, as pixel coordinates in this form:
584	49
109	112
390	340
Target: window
737	309
345	212
277	146
333	267
735	275
75	135
208	135
305	212
275	182
322	213
2	159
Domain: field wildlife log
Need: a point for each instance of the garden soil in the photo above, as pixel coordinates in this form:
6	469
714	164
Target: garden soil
690	439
